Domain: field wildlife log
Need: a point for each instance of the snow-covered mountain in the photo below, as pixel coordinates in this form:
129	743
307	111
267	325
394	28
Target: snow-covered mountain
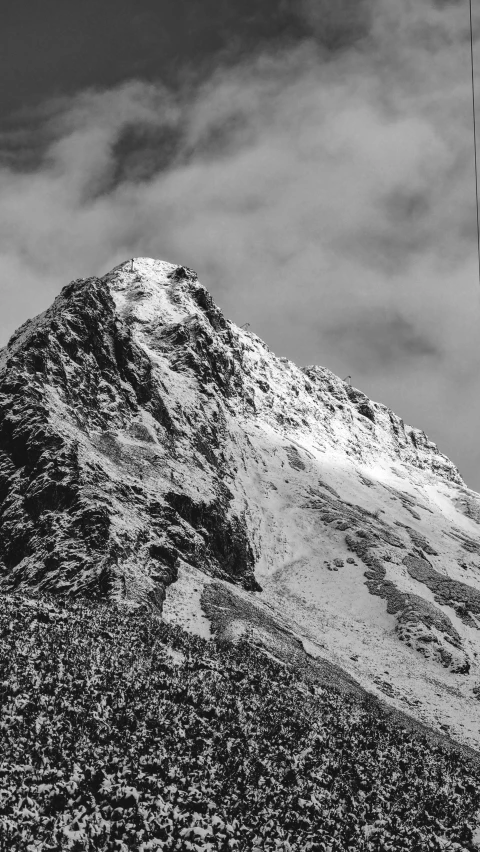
153	452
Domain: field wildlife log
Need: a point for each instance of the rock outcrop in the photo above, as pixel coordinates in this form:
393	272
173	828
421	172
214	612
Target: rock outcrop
107	476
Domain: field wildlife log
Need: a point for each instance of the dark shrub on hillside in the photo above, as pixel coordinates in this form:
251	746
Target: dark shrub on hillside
121	733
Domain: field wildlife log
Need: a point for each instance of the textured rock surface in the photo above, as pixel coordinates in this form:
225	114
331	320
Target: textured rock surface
107	479
147	444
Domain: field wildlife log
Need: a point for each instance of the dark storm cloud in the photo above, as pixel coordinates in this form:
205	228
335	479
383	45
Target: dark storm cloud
142	151
338	23
54	48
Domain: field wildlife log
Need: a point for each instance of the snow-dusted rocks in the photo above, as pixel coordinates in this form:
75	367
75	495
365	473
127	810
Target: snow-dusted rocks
147	441
106	480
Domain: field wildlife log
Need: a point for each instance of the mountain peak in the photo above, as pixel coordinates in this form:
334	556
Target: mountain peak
148	292
151	449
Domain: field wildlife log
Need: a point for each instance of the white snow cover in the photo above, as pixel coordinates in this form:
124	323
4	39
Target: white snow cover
289	438
283	407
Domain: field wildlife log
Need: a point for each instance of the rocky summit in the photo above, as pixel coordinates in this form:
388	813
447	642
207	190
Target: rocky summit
155	454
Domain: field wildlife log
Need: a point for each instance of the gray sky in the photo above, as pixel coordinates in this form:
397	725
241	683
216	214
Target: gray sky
318	175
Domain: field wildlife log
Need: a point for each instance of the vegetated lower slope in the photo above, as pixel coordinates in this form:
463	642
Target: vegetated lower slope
120	732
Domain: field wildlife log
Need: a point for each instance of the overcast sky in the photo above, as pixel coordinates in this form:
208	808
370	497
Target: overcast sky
312	160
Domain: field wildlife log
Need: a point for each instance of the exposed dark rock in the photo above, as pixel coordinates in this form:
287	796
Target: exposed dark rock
468	503
469	544
390	538
412	611
362	403
365	480
182	273
227	551
294	458
448	592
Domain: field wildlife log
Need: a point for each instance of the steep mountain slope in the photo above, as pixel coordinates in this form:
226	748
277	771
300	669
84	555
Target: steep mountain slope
121	732
149	447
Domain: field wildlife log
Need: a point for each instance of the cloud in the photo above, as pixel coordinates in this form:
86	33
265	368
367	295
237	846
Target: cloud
338	23
323	195
388	340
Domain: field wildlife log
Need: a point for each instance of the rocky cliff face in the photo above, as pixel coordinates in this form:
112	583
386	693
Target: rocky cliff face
112	440
149	446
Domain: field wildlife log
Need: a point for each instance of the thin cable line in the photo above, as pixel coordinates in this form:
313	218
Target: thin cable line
475	136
